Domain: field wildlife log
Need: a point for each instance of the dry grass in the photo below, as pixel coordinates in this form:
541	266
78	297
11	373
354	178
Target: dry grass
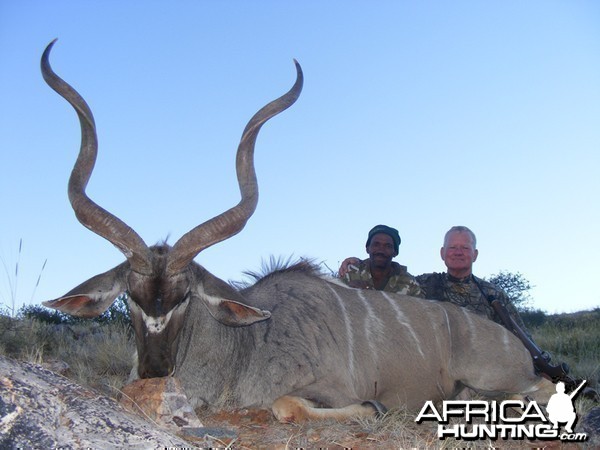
257	429
574	339
99	356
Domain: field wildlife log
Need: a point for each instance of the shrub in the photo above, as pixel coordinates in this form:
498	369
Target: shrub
118	312
42	314
533	317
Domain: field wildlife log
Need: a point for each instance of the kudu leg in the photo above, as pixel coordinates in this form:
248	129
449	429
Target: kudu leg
543	390
291	409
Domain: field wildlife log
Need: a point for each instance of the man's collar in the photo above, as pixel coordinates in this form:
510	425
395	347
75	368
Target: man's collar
396	269
459	280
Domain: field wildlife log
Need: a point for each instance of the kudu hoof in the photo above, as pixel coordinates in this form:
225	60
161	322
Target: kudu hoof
380	409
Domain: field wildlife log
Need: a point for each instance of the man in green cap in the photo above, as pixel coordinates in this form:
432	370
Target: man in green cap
458	285
379	271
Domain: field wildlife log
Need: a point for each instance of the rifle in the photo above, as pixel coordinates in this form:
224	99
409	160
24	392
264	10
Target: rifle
541	360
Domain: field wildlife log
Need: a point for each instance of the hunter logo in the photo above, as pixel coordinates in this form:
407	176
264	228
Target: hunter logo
510	419
560	407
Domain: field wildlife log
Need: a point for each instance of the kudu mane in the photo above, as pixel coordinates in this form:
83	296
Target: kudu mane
276	267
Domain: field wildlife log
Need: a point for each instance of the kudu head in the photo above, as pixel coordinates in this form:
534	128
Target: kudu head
160	281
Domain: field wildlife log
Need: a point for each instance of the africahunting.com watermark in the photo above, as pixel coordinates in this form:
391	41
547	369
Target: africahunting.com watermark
509	419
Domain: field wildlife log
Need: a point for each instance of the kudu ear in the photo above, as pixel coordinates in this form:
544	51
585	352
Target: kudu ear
235	314
94	296
217	295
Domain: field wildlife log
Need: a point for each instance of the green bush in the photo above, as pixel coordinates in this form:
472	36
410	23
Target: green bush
533	317
44	315
118	312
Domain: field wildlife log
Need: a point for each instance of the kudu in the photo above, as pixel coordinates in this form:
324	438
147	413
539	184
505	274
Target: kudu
303	344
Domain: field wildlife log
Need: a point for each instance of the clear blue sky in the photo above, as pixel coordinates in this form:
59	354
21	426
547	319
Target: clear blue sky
421	115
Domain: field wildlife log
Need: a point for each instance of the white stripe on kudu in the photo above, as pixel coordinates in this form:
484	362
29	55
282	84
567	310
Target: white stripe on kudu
403	320
349	333
373	324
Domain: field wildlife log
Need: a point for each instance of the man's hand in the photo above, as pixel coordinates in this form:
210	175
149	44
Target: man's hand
345	265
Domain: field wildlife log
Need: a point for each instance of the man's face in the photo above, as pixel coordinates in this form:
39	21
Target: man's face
458	254
381	250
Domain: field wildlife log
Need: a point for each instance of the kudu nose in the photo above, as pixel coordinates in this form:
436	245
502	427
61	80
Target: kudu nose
154	368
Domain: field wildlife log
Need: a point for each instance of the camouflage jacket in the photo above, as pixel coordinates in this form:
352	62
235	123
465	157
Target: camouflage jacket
466	292
400	281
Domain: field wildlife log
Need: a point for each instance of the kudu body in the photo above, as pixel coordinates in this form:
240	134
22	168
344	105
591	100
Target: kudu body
307	346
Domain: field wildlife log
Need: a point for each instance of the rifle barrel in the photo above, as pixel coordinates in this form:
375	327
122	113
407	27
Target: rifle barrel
574	393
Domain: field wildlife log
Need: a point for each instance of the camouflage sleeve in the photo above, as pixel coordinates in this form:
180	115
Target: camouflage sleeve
358	276
414	289
430	286
403	283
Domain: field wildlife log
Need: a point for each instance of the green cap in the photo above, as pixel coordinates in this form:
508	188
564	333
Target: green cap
392	232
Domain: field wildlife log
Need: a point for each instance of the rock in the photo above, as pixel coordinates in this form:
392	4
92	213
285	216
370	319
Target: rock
57	366
41	409
221	435
162	400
